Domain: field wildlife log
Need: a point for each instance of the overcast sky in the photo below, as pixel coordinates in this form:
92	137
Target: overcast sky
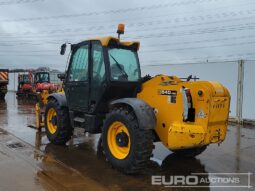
174	31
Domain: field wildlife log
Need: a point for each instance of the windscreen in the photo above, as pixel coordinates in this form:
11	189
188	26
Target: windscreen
25	78
42	77
124	64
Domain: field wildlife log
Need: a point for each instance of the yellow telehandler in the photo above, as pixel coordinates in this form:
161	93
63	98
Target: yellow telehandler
105	93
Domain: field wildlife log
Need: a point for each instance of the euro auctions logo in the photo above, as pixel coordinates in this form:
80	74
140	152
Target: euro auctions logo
175	180
227	180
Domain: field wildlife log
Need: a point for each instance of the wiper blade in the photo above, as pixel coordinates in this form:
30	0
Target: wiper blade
119	66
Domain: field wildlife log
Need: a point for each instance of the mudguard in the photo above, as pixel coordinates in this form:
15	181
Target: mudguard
144	113
60	97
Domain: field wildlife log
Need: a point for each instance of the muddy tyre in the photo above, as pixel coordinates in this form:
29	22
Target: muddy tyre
126	146
57	123
190	152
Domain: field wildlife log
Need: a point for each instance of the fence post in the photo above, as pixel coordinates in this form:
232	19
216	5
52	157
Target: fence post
240	81
14	80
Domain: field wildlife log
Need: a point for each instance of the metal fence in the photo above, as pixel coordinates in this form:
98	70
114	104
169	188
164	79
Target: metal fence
238	76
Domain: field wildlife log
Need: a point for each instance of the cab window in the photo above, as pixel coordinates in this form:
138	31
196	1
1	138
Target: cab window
79	66
42	77
98	62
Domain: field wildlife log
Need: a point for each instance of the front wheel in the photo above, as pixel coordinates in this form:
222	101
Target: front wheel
127	147
192	152
57	123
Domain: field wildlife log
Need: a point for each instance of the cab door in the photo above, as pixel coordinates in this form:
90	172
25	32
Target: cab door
77	81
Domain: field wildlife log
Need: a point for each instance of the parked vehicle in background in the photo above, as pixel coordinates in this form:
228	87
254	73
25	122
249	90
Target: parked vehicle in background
33	83
4	80
42	82
24	84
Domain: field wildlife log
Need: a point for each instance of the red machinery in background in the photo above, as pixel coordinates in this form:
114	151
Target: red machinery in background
42	82
25	85
33	83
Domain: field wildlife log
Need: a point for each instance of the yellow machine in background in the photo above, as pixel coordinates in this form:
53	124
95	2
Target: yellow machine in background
40	107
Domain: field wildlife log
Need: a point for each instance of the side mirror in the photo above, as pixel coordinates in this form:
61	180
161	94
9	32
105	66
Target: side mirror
62	76
63	49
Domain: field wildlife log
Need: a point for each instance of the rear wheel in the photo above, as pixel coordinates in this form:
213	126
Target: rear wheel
57	123
190	152
127	147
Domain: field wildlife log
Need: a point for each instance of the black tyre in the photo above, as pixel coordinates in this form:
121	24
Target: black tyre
57	123
190	152
2	96
127	147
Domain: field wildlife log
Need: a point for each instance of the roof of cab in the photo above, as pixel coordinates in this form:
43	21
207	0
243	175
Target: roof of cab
106	40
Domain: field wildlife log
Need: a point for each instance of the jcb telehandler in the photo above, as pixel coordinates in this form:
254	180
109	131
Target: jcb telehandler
105	93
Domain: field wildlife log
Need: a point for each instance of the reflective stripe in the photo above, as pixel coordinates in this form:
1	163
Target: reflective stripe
3	75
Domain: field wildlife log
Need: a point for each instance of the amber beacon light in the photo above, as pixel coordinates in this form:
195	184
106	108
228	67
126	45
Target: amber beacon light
121	29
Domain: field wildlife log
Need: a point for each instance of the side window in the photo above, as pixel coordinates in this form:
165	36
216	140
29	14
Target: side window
79	66
98	63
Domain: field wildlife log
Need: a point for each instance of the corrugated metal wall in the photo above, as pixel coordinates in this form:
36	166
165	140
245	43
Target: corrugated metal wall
249	90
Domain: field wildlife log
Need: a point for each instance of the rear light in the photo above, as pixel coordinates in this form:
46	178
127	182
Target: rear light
188	110
188	95
185	105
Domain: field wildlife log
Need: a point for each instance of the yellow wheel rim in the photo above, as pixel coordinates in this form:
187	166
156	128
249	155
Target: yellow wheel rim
51	115
116	132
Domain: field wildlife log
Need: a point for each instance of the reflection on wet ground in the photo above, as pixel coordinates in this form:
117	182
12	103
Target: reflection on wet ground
81	165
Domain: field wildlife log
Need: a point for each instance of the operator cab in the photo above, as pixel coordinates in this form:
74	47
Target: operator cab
42	77
23	79
101	70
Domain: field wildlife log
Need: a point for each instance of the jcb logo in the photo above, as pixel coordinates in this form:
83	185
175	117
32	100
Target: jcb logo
4	76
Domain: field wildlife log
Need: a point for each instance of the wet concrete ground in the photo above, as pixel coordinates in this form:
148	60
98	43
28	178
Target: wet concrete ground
29	162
